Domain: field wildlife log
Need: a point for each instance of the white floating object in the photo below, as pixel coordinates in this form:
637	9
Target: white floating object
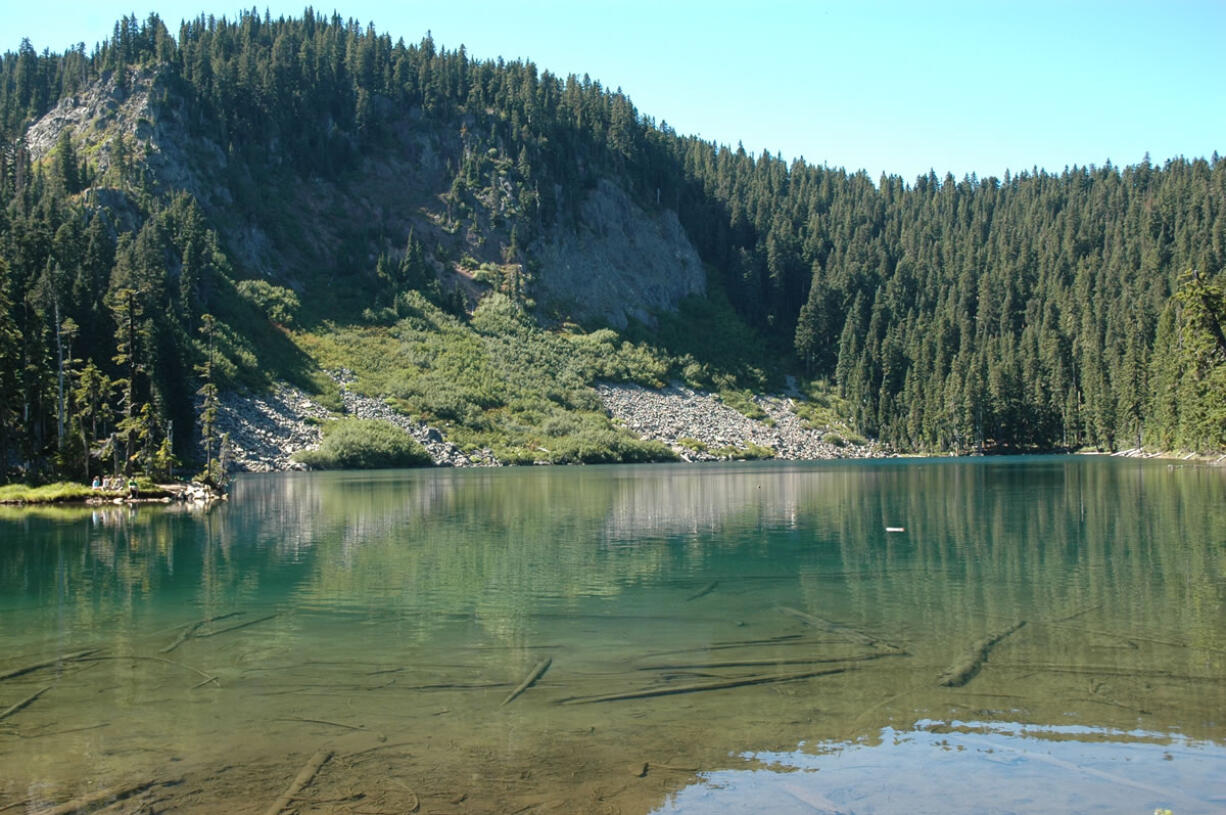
894	529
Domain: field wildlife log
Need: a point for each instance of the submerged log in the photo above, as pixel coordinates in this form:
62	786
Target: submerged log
45	734
73	657
1074	615
189	632
96	799
964	670
442	686
710	587
1132	639
136	657
789	640
319	721
832	627
699	688
536	673
766	663
305	776
13	709
1111	670
228	629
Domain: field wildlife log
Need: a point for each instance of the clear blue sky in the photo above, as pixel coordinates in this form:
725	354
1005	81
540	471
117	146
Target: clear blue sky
897	87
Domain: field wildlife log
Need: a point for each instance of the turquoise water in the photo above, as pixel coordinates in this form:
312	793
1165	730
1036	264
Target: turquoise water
709	639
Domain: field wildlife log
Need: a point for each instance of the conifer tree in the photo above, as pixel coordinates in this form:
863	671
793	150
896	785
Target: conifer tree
209	402
10	379
91	410
68	175
125	310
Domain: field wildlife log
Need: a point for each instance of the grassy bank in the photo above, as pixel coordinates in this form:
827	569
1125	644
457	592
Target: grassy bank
59	492
72	492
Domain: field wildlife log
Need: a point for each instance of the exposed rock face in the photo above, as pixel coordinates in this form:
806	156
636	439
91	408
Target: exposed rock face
99	113
676	413
152	132
621	263
267	430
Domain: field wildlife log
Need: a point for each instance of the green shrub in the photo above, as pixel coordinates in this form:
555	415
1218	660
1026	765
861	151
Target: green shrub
742	402
608	447
279	303
750	452
518	456
364	444
696	445
561	425
585	399
695	374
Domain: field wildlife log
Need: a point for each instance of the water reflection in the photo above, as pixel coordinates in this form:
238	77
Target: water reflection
991	768
691	614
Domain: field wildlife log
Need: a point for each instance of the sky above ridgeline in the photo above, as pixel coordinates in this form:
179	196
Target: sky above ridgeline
898	87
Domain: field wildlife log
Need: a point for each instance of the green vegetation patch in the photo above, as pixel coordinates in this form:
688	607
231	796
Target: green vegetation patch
74	491
743	403
750	452
498	381
696	445
364	444
46	494
823	410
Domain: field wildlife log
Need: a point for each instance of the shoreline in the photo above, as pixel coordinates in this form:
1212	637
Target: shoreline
195	494
266	429
67	493
1211	459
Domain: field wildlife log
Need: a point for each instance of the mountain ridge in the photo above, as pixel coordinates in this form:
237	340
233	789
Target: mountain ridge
333	199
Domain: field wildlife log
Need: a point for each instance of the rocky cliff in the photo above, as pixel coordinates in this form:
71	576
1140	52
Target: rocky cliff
613	262
619	263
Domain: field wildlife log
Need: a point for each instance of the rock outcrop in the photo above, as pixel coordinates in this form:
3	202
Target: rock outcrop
619	263
266	430
679	417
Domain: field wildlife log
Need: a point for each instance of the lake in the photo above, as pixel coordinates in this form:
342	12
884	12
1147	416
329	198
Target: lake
1036	635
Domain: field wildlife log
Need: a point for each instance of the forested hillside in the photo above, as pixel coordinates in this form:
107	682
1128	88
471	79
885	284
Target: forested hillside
177	206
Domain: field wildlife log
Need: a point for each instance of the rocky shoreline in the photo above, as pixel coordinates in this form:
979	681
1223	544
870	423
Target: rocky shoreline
266	430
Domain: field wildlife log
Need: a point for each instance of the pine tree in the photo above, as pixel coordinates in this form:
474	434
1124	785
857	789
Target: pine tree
125	310
10	379
90	410
68	175
209	403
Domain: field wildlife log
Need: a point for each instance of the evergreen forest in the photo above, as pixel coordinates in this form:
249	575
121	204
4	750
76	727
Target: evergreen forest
1046	310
